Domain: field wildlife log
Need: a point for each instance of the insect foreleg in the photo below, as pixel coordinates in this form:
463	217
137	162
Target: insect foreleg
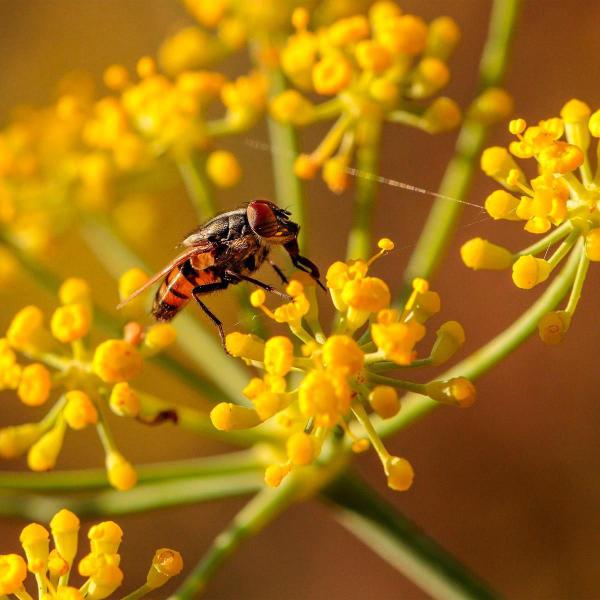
279	272
235	277
205	289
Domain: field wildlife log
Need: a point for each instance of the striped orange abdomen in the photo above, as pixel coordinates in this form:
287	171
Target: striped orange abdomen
176	289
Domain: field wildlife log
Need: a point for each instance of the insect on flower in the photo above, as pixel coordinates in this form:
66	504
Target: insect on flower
224	251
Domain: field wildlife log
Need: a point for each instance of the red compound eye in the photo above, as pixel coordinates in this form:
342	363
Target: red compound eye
261	218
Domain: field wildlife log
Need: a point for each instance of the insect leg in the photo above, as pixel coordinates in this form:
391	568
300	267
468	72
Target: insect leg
279	272
204	289
265	286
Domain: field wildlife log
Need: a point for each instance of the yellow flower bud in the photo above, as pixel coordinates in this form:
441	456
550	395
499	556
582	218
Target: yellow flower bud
372	55
274	474
57	565
442	37
226	416
496	162
15	440
267	403
491	106
430	76
575	111
292	107
450	338
301	449
159	336
13	572
458	391
335	174
223	168
70	322
74	291
360	446
517	126
104	582
166	564
592	244
116	360
348	31
502	205
397	340
384	401
121	473
43	454
400	474
331	74
385	244
305	166
105	537
385	91
404	34
35	540
65	527
324	395
116	77
245	345
443	114
480	254
279	355
594	124
257	299
130	281
25	324
68	593
369	294
342	352
553	327
35	384
560	157
80	410
124	400
528	271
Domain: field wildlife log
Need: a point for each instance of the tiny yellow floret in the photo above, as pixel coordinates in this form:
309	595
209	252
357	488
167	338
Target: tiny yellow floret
343	352
24	326
592	244
124	400
74	290
400	474
301	448
70	322
480	254
34	387
528	271
245	345
13	572
80	410
223	168
279	355
553	327
384	401
116	360
274	474
166	564
226	416
121	473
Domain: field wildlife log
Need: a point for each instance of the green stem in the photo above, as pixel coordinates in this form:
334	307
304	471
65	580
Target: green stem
482	360
542	245
256	514
367	162
142	591
244	461
198	187
417	388
199	345
142	498
401	543
283	142
443	217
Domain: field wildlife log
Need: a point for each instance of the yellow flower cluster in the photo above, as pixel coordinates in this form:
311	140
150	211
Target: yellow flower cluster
561	201
60	360
340	374
375	68
100	567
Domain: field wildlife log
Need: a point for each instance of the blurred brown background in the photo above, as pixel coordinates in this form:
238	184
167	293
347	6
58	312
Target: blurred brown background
510	486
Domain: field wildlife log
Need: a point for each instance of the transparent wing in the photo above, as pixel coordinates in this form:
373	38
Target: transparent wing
189	253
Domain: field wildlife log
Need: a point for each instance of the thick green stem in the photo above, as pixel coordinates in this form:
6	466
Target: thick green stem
401	543
199	189
443	217
200	345
255	515
244	461
367	160
481	361
142	498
